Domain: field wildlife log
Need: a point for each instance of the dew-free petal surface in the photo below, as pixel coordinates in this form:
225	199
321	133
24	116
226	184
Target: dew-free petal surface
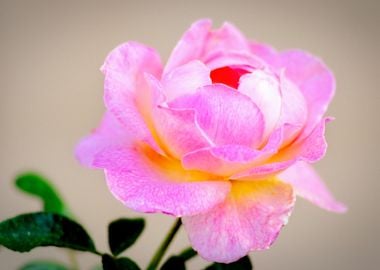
314	79
249	219
201	42
126	92
179	131
191	45
226	116
227	160
308	185
148	182
109	133
310	149
264	90
185	79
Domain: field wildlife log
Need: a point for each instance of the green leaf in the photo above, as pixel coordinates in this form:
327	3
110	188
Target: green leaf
110	263
25	232
174	262
123	233
242	264
179	261
43	265
39	186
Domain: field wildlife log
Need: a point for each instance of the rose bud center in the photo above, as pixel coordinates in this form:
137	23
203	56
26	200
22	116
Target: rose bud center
227	75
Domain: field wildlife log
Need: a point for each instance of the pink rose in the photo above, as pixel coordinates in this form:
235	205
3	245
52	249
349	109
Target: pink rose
221	136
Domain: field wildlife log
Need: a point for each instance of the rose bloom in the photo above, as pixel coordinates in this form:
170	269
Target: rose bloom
221	136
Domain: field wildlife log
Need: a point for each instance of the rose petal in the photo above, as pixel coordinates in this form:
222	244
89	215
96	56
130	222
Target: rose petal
227	160
314	79
293	109
148	182
265	52
309	73
238	59
123	105
226	38
126	93
222	160
264	91
190	46
226	116
179	131
307	184
110	133
185	79
310	149
249	219
176	130
200	42
132	59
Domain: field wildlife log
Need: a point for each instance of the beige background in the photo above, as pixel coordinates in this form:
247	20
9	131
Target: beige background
51	95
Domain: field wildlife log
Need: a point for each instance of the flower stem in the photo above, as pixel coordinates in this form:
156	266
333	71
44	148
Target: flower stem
155	261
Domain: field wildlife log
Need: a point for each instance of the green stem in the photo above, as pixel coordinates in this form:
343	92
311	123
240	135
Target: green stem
155	261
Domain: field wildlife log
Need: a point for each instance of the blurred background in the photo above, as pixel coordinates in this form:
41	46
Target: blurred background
51	95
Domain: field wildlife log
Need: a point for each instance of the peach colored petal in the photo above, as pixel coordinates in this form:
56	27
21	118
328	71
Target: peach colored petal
176	130
249	219
227	160
148	182
126	90
310	149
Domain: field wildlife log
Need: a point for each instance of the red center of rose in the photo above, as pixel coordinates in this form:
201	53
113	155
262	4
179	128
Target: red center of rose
227	75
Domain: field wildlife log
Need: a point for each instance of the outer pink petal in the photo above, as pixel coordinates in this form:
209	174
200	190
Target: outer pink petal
125	88
226	38
191	45
226	160
314	79
265	52
226	116
249	219
307	184
185	79
264	90
148	182
310	149
132	59
110	133
123	104
309	73
123	123
201	42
